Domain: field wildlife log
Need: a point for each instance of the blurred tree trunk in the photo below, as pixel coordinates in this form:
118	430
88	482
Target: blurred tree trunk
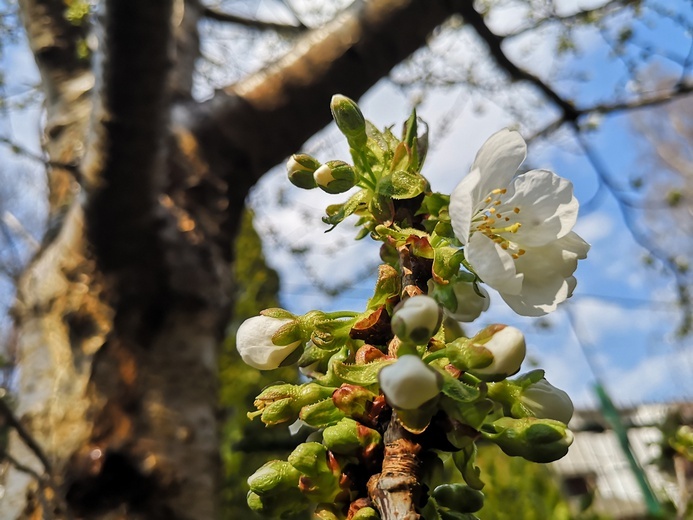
121	313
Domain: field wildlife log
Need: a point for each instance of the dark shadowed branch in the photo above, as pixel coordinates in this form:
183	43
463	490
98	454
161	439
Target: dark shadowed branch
126	159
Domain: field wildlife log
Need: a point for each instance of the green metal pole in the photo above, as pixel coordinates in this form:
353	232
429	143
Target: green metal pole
654	508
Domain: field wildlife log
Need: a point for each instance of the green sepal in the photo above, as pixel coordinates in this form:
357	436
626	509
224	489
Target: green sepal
464	354
386	287
446	262
417	420
314	354
363	375
459	391
276	312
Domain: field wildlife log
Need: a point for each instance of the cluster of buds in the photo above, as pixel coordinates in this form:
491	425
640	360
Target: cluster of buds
404	364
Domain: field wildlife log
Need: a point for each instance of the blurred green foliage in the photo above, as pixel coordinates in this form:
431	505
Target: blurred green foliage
517	489
247	445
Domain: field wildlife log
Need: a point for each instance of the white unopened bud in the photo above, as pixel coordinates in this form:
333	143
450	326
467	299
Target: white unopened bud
301	169
417	319
409	382
254	342
335	177
507	344
546	401
469	304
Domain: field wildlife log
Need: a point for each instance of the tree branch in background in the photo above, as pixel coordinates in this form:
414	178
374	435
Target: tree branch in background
494	44
220	16
583	16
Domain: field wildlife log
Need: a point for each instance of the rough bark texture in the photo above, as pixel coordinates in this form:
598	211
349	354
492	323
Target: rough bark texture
396	489
120	313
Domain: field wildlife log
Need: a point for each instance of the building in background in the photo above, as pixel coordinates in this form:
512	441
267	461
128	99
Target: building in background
596	472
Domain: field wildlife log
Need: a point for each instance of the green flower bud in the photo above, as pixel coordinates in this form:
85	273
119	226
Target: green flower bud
321	414
274	477
335	177
537	440
349	437
283	506
353	400
321	473
366	513
545	401
417	319
349	119
409	382
459	497
300	168
283	402
326	512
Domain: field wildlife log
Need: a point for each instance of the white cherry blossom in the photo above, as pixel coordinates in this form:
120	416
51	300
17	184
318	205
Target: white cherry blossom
517	230
254	342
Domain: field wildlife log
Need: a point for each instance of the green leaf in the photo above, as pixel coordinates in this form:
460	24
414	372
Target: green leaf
457	390
336	213
401	184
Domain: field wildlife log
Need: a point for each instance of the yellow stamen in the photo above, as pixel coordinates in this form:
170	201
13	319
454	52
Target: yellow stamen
516	209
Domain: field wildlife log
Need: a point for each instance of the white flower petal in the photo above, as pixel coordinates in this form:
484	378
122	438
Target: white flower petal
469	304
548	402
493	264
547	208
462	204
538	299
509	349
254	342
498	159
409	382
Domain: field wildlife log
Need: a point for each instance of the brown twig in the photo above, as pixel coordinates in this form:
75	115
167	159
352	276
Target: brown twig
396	490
